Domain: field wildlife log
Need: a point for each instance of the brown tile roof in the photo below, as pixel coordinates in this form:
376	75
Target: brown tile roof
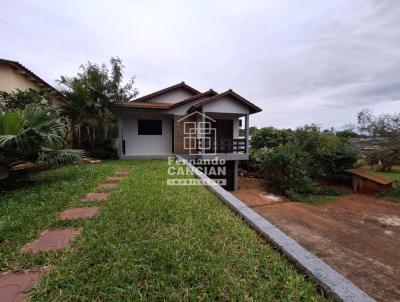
149	105
212	97
26	71
380	179
230	92
159	105
168	89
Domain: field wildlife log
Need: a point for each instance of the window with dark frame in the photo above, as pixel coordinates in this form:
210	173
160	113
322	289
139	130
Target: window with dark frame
149	127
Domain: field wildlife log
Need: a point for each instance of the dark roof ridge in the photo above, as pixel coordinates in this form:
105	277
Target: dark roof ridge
193	98
228	92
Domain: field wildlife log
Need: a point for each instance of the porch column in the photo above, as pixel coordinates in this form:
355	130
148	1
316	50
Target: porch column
235	174
119	137
247	132
203	136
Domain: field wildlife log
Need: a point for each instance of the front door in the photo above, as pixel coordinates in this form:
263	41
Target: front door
224	129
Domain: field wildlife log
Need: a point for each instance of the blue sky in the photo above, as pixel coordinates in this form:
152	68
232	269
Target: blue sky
301	61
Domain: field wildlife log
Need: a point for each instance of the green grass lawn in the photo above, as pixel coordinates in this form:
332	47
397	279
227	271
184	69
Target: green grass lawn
394	174
149	241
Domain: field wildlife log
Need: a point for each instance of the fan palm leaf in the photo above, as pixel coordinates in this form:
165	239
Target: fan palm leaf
31	133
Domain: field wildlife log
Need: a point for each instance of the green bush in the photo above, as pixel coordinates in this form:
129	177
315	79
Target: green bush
329	155
309	155
284	171
256	158
393	193
269	137
102	149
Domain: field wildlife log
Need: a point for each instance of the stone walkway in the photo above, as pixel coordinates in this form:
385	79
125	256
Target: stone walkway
14	286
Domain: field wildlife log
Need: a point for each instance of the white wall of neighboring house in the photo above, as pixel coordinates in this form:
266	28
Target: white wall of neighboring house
174	96
10	80
146	144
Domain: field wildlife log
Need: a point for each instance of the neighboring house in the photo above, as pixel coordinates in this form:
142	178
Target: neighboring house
15	76
182	120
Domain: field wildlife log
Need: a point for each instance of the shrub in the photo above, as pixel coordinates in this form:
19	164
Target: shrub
285	172
393	193
329	156
310	155
256	158
102	149
269	137
30	134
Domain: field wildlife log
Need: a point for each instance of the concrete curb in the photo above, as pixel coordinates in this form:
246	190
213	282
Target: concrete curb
330	280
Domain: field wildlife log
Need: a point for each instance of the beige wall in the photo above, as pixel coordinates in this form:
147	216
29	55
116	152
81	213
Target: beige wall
10	80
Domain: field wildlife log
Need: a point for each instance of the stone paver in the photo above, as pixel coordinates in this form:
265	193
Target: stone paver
124	173
123	169
107	186
51	240
96	196
78	213
14	286
115	178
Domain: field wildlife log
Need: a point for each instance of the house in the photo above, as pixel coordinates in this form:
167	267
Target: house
14	75
182	120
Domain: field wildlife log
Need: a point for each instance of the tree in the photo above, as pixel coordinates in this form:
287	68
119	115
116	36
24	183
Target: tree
269	137
252	130
89	95
18	99
31	134
387	128
347	134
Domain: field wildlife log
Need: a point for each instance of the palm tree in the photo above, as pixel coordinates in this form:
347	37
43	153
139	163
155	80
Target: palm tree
30	134
89	95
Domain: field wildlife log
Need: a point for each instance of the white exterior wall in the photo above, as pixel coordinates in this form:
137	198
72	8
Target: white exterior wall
183	110
174	96
236	128
226	105
146	144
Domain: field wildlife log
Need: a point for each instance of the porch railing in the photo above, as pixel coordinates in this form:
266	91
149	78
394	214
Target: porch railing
235	145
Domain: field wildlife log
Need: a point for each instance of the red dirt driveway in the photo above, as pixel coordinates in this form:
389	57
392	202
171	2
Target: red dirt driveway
358	235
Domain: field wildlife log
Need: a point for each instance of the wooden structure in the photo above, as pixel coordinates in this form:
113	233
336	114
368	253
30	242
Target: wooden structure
367	182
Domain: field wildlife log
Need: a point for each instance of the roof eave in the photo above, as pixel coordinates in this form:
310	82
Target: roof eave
252	108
